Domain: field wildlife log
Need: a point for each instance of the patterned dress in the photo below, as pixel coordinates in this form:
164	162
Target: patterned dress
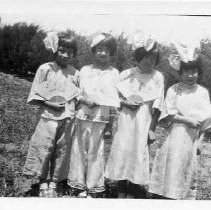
49	146
174	172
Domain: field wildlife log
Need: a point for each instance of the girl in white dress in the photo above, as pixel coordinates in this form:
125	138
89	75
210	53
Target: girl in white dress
174	172
99	96
142	89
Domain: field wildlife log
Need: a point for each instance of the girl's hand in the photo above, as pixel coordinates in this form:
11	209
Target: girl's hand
55	105
151	137
193	123
114	126
130	105
88	102
199	144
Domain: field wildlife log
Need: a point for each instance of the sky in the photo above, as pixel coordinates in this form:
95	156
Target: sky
159	18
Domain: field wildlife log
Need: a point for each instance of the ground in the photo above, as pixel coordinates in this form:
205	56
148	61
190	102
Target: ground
17	122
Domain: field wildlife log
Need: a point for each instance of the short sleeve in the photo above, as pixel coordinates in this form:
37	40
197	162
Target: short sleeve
80	80
116	77
124	75
76	82
170	103
159	102
82	75
77	78
206	95
40	77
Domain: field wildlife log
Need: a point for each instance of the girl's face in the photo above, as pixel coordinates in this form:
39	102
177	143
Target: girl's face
190	76
147	64
64	56
102	54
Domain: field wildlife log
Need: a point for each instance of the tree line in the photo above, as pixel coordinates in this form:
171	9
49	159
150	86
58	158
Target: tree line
22	51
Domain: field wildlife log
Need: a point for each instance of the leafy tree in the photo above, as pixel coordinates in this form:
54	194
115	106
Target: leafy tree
22	51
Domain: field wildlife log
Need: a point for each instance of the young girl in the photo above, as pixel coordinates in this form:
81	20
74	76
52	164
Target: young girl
50	143
174	171
142	89
98	86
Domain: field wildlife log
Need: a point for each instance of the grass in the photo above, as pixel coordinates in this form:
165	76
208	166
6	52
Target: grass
17	123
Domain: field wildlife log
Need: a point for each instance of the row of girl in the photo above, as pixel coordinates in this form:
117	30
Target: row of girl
68	140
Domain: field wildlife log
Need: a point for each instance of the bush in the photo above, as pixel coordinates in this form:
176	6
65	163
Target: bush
22	52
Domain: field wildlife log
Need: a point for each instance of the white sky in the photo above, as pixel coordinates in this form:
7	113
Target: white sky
91	16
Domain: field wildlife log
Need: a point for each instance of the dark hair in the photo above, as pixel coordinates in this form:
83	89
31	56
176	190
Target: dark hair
140	53
68	43
196	64
109	42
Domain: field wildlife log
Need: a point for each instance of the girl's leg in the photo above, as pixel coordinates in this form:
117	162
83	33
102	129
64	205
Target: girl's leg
52	192
95	159
40	151
78	157
43	188
137	191
156	196
122	186
60	162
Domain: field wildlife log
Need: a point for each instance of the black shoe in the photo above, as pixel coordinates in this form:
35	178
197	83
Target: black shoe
96	195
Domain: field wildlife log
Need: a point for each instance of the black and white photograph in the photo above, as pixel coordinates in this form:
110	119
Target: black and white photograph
105	101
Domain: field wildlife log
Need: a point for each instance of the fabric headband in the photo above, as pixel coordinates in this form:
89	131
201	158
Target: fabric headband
97	39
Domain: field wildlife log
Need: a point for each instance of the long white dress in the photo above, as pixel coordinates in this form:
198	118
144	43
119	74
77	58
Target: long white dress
174	172
129	156
87	153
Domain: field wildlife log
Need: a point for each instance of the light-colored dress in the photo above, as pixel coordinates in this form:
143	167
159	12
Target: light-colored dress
174	172
51	141
87	154
129	155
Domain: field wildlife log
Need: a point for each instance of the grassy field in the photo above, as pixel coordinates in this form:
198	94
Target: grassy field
17	122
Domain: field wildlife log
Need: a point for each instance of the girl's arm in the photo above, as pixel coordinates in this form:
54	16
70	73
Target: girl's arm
87	102
157	107
113	121
129	105
82	99
155	118
49	103
54	105
191	122
154	122
34	99
40	77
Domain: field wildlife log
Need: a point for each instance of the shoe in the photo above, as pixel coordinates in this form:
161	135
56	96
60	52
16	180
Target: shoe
89	196
43	193
83	194
52	193
129	196
96	195
122	195
52	190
